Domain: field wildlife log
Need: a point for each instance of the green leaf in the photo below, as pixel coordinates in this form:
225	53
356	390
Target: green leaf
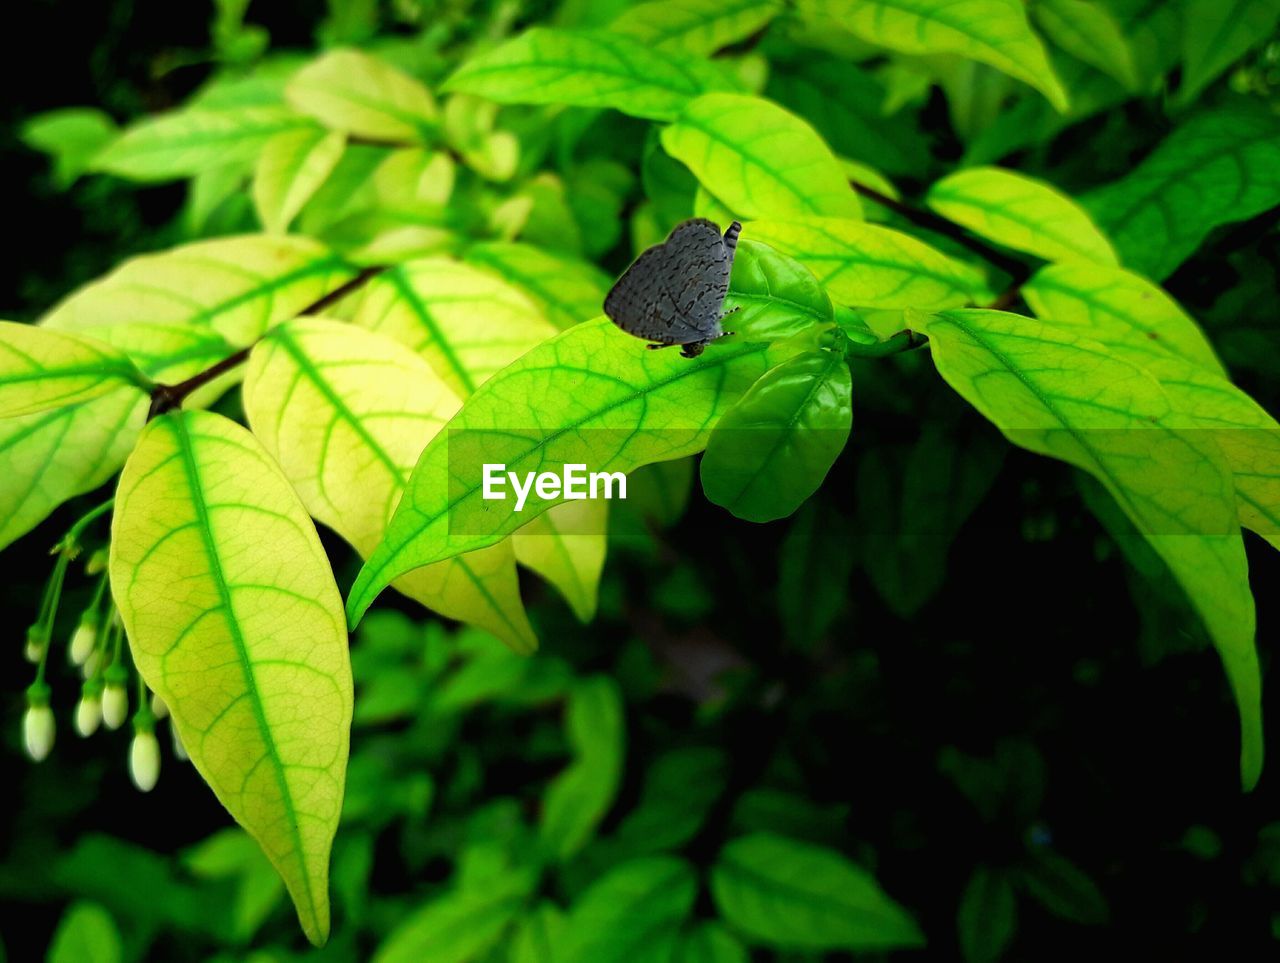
680	788
759	159
1219	167
865	265
1089	32
1153	31
1077	293
591	394
290	169
566	546
346	413
993	32
793	895
71	136
1022	213
461	925
698	27
773	448
1059	393
710	943
251	655
1217	33
465	322
86	934
537	937
773	297
579	797
1153	336
814	565
988	916
350	91
632	913
1063	889
846	105
237	287
42	369
588	69
566	289
192	140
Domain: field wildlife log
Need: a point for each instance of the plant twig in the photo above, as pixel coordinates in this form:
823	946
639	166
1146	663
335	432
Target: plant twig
168	397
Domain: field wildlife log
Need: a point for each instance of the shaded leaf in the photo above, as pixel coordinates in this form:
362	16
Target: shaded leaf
71	136
988	916
1217	33
1089	32
251	655
1063	889
793	895
814	565
759	159
86	934
631	914
588	69
710	943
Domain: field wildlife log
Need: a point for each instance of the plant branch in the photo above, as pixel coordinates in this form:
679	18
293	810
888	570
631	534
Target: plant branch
168	397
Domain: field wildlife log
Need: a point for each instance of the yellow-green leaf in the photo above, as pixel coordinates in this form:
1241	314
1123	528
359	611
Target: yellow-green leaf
568	290
566	546
1115	296
759	159
42	369
993	32
592	394
1057	392
350	91
699	27
464	321
234	619
71	136
1217	33
235	286
189	141
346	412
1090	33
866	265
1022	213
588	69
290	169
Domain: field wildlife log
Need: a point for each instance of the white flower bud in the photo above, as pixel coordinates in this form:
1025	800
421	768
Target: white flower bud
97	562
115	705
179	750
159	707
34	651
91	664
37	730
88	714
83	641
144	759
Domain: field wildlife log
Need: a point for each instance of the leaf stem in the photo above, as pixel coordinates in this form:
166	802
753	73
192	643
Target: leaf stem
904	340
168	397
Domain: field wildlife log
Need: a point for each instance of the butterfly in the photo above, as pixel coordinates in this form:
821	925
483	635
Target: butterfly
673	292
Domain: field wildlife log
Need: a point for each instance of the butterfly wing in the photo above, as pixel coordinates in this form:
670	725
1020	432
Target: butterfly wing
674	292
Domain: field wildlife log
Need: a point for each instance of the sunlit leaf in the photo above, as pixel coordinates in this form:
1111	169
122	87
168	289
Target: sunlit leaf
568	290
632	913
1060	393
579	797
566	546
699	27
590	395
291	167
189	141
250	655
346	413
237	287
588	69
42	369
759	159
1219	167
994	32
865	265
464	321
350	91
71	136
1216	33
1020	212
794	895
1089	32
773	297
774	447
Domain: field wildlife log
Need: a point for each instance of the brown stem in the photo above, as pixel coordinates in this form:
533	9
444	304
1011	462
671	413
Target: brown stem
168	397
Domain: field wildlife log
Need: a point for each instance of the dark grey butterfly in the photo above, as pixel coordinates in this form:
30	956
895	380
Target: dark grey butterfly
674	291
